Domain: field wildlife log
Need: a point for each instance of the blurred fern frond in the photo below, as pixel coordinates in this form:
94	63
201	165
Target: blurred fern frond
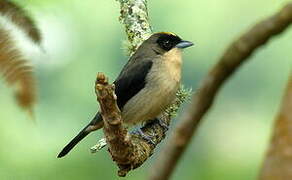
18	34
20	18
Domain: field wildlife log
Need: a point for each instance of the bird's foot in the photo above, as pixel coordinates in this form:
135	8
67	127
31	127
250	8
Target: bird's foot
162	124
144	136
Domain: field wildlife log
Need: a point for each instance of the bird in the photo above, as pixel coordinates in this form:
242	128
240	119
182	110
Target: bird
146	85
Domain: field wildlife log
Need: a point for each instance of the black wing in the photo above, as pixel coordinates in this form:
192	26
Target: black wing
131	80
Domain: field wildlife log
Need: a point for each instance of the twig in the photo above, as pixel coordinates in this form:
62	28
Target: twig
129	151
235	55
278	163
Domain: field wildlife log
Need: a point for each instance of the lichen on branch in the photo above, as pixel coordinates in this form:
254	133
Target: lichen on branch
134	16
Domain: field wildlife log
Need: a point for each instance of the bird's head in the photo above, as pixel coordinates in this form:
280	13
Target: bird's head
163	42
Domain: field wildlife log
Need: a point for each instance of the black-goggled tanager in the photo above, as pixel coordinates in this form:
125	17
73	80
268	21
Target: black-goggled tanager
147	84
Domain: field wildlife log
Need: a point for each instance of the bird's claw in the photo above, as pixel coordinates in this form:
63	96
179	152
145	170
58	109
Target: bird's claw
162	124
144	136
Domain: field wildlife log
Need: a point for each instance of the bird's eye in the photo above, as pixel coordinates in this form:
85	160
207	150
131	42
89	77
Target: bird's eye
166	43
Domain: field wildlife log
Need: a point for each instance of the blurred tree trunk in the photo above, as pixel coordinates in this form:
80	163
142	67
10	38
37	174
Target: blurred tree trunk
237	53
278	163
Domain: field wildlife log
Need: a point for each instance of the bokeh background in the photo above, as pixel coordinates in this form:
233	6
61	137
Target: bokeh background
82	38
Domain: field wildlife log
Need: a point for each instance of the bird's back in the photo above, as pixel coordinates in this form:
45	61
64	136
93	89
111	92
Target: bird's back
162	84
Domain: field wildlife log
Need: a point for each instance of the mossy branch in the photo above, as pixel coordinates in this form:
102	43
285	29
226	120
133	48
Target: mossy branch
128	150
134	16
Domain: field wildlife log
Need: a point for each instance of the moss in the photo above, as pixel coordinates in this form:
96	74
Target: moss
182	96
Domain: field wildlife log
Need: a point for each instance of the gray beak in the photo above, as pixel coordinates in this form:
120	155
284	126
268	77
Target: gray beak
184	44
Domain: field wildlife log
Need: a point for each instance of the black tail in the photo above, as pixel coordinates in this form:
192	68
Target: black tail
95	124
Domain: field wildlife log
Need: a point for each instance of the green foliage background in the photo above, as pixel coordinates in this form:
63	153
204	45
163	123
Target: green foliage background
82	38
